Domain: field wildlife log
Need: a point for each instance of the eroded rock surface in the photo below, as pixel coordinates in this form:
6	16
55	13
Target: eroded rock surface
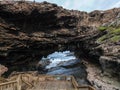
28	29
3	69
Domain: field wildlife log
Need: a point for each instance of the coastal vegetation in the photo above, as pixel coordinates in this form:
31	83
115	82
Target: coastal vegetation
112	34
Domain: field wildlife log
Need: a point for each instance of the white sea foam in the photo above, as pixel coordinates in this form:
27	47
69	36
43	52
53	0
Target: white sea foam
57	57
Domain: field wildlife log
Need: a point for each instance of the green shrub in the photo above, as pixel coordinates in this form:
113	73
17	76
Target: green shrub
115	39
101	39
116	31
102	28
112	35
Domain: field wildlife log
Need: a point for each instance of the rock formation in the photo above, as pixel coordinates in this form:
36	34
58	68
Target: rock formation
28	29
3	69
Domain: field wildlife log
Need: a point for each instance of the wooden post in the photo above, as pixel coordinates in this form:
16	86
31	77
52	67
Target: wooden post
19	82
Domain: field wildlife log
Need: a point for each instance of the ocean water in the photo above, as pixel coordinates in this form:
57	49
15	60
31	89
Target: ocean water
58	57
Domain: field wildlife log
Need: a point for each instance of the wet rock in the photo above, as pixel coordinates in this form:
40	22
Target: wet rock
70	64
110	65
41	66
43	63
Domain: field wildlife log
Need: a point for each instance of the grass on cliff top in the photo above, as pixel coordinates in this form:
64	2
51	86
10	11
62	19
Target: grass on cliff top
102	28
113	34
116	31
115	38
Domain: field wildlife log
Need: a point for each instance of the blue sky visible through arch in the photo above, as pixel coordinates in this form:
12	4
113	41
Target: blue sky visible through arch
85	5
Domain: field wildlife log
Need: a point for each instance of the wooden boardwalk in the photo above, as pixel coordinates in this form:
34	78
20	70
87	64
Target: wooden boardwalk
42	82
53	85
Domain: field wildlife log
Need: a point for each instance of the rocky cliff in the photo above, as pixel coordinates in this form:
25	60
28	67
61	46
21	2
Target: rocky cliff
28	29
28	26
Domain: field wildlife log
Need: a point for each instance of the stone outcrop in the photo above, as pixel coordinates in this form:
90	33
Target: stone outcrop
3	69
110	60
25	27
30	30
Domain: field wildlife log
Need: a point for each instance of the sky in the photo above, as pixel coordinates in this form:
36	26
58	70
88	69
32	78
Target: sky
86	5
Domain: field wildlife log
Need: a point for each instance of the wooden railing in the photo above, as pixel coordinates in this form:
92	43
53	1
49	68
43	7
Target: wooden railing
11	85
72	79
16	84
75	84
78	87
85	88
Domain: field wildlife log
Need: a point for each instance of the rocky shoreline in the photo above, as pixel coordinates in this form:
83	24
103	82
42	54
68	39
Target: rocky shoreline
101	81
29	31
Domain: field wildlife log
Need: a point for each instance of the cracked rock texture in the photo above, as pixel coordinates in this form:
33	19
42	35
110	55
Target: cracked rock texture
28	29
